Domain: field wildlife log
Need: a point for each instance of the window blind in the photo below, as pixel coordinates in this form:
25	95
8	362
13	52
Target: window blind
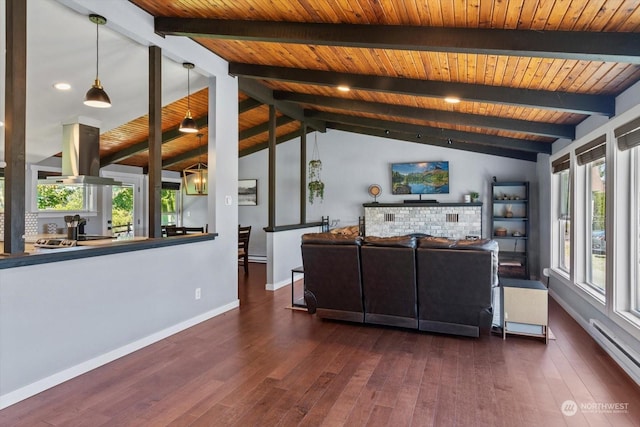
561	163
170	185
628	135
592	151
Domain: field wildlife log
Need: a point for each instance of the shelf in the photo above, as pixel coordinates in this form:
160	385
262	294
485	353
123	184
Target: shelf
508	254
510	202
511	263
513	218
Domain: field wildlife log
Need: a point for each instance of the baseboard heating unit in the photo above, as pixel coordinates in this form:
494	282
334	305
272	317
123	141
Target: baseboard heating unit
626	357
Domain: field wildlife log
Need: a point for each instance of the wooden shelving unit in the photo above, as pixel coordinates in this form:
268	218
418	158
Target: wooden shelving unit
510	227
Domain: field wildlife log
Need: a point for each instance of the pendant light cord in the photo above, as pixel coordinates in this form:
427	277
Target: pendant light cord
97	52
189	89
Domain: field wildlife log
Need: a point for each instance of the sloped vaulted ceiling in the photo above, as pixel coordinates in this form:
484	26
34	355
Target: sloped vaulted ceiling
526	73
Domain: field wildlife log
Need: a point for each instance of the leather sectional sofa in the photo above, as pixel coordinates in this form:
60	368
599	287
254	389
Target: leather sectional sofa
424	283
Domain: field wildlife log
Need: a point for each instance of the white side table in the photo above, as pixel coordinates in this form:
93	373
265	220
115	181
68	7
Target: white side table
525	308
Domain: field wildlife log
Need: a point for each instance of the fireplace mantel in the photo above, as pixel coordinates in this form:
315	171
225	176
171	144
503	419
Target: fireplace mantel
453	220
417	204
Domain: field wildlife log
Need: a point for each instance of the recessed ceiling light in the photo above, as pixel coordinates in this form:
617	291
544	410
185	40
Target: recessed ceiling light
452	100
62	86
344	88
1	123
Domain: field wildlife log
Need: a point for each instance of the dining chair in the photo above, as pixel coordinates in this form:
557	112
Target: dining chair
175	231
244	233
193	230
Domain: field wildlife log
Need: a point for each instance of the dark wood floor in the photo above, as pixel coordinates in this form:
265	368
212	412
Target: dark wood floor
265	365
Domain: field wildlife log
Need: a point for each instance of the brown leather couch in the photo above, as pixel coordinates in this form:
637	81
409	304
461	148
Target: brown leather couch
333	286
455	282
429	284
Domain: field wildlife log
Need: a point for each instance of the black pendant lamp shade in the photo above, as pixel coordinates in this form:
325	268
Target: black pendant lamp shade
188	125
96	96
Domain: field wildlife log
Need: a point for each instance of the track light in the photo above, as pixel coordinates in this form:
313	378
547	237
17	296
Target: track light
188	125
96	96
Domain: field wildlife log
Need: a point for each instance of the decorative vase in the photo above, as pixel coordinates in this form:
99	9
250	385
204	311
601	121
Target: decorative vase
507	211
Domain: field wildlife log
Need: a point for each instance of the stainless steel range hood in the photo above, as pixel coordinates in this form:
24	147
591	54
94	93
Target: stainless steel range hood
80	157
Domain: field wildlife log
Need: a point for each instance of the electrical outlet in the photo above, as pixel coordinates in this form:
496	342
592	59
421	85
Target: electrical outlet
198	293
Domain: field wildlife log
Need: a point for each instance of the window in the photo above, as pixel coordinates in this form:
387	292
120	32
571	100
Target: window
596	251
592	157
51	197
635	262
169	200
560	168
564	222
628	136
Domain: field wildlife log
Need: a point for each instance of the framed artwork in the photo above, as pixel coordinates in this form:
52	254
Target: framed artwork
247	192
420	178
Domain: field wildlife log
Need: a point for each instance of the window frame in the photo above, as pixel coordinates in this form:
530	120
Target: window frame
90	202
561	219
588	229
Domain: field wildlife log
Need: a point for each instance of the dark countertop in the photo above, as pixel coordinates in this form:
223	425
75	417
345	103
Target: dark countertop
113	247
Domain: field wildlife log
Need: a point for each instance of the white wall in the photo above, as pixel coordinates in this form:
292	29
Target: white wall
570	296
61	319
352	162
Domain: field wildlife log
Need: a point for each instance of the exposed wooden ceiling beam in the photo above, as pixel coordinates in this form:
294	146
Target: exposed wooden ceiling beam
265	95
263	127
429	132
248	105
525	126
139	147
456	145
561	101
578	45
264	145
182	157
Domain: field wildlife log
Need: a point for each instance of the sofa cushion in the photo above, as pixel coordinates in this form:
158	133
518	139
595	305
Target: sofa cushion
351	230
331	239
480	244
435	242
483	245
395	242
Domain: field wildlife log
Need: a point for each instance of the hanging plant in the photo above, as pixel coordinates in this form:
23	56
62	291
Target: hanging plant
316	189
316	186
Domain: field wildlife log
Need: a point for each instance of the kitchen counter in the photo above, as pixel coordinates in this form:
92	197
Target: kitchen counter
91	248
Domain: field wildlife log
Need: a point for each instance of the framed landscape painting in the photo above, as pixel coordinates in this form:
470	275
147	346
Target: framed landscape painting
247	192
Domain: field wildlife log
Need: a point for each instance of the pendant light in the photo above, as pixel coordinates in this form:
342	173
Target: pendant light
188	125
195	176
96	96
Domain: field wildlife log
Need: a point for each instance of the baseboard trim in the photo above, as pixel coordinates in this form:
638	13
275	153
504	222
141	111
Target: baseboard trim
39	386
277	285
586	325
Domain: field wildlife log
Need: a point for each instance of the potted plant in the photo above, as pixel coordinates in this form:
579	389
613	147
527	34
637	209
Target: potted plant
316	186
474	196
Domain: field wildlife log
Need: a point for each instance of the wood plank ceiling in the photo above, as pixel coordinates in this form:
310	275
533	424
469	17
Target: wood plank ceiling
525	72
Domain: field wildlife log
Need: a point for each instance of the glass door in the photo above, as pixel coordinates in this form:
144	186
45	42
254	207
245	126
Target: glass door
122	206
122	210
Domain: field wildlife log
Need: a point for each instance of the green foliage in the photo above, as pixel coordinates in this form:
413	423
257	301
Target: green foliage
316	186
316	189
599	206
122	210
60	197
168	200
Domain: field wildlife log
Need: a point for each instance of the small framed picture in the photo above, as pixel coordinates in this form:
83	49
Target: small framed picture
247	192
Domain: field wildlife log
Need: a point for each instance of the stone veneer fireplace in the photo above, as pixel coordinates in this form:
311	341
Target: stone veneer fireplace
453	220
